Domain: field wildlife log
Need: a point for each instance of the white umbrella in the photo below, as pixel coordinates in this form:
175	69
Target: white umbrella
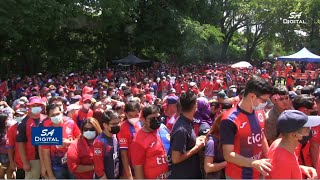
241	64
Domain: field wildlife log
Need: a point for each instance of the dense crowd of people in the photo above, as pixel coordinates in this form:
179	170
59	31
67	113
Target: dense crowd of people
164	122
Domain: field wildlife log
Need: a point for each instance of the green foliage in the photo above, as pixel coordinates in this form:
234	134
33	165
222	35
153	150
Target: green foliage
199	41
70	35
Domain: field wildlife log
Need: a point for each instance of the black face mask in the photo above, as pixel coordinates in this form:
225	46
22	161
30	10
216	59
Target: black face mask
115	129
155	123
305	139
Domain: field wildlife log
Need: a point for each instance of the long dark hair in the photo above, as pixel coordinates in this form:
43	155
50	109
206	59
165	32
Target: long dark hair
215	128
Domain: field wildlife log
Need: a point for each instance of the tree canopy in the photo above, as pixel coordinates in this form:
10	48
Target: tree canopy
67	35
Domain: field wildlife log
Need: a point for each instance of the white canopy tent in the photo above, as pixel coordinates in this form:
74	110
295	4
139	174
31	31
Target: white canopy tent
303	55
241	64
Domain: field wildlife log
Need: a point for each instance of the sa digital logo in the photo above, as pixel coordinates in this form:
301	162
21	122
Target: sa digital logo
294	18
46	132
46	136
294	15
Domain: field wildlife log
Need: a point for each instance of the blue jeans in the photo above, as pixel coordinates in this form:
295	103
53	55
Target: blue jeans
62	173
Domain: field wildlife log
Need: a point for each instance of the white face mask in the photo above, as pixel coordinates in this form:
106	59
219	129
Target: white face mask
260	106
86	106
19	119
56	119
36	110
133	121
89	134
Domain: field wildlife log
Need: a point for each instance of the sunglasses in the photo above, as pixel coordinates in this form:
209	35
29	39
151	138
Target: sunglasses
156	119
88	129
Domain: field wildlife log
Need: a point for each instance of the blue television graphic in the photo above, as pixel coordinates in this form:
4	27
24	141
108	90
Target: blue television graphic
46	136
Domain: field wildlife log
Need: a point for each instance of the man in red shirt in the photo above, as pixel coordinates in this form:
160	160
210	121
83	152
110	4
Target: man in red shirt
55	156
208	90
293	125
241	132
148	154
12	146
80	115
29	154
290	81
128	129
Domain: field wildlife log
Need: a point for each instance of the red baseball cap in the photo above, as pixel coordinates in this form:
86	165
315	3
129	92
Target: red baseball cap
86	97
35	100
87	90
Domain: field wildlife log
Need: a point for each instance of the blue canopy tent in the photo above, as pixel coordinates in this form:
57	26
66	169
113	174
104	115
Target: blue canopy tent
131	59
303	55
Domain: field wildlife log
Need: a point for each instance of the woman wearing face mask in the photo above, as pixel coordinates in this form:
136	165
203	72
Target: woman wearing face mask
148	152
80	152
55	157
106	147
12	146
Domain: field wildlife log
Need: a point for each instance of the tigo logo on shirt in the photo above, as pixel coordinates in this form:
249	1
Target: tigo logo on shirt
255	139
46	136
161	160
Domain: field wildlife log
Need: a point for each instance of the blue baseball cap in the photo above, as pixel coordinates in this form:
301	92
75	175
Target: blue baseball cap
292	120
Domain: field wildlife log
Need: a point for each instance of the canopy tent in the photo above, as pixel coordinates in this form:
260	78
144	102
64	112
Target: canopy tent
303	55
241	64
131	59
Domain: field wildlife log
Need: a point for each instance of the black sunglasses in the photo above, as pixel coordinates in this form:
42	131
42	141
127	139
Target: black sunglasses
89	129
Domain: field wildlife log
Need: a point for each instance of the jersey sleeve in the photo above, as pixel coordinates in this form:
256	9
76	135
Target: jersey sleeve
10	138
98	157
209	148
73	159
21	132
123	137
138	154
228	131
179	141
